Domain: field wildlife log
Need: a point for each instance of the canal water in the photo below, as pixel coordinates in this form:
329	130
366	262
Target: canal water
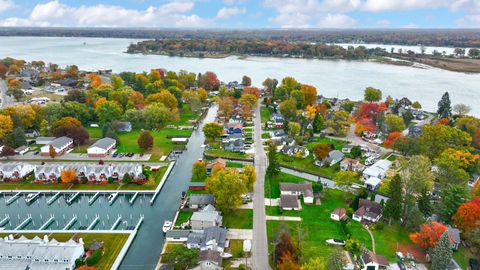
146	248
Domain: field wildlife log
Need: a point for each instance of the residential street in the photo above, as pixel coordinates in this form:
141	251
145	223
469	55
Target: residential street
260	241
5	99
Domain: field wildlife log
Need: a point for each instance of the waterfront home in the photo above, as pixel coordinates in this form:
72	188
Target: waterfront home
368	211
102	147
123	126
237	118
378	169
209	260
353	165
234	145
177	236
216	162
90	173
196	201
454	235
61	145
22	150
44	140
372	261
206	218
234	128
37	253
304	190
14	172
213	238
333	158
339	214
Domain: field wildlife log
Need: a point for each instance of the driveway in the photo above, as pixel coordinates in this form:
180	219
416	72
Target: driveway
5	100
240	234
260	241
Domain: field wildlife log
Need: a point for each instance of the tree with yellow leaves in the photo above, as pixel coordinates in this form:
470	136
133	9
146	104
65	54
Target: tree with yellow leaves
310	93
95	80
67	176
6	125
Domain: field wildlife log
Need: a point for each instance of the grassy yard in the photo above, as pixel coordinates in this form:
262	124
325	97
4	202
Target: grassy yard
265	135
462	255
94	132
113	243
265	114
185	115
316	226
232	164
226	154
387	239
151	184
239	219
272	185
236	248
183	216
307	164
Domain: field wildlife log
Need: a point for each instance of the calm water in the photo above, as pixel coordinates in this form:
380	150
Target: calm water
332	78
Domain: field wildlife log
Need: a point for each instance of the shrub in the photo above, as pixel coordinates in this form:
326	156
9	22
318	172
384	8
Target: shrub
110	180
94	258
79	262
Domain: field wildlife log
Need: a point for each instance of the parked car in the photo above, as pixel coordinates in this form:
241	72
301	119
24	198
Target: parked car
473	264
401	266
121	155
337	242
115	155
36	153
141	155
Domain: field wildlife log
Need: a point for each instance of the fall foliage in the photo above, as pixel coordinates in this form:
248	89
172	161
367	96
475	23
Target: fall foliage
321	150
392	137
468	215
428	235
67	176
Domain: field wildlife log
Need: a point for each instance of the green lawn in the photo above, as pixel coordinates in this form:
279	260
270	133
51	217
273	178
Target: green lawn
462	255
239	219
226	154
151	184
183	216
307	164
265	114
338	144
387	239
94	132
265	135
113	243
236	248
232	164
272	185
185	115
316	226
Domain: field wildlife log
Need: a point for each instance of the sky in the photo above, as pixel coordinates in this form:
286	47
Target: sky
250	14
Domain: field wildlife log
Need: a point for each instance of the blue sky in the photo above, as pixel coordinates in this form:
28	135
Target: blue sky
243	13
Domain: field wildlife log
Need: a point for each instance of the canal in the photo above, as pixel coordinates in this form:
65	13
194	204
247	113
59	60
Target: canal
100	214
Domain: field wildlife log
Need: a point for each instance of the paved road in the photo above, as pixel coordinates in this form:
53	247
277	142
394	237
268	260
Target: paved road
5	100
260	241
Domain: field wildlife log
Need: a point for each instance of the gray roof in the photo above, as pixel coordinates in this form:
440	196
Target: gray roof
201	199
454	234
335	154
215	233
210	255
289	201
298	187
177	234
60	142
104	143
195	238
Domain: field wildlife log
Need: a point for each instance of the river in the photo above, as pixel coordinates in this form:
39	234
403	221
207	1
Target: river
333	78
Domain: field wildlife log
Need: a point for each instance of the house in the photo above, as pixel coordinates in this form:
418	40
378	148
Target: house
44	140
290	202
218	161
213	238
206	218
177	235
102	147
298	189
90	172
347	149
295	151
123	126
234	128
368	211
236	119
277	134
353	165
37	253
454	235
372	183
339	214
333	158
372	261
14	172
234	145
277	120
32	133
209	260
415	131
378	169
61	145
22	150
196	201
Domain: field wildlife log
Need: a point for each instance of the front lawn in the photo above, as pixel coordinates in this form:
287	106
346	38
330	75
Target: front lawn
226	154
272	185
265	114
239	219
389	238
316	226
307	164
183	216
113	243
232	164
185	116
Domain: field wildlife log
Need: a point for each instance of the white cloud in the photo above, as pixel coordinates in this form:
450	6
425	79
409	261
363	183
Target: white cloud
383	23
291	20
6	5
234	2
225	13
410	25
54	13
337	21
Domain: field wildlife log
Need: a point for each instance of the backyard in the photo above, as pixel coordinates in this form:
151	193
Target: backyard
272	184
238	219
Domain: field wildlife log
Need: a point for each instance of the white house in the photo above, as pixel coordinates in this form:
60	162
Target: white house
378	170
338	214
177	235
368	211
61	145
353	165
372	261
102	147
372	183
37	253
22	150
209	260
12	172
298	189
206	218
290	202
213	238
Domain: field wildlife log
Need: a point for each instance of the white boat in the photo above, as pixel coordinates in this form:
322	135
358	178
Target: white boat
167	225
335	242
226	255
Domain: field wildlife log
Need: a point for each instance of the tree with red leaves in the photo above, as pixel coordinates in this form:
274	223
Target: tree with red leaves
364	125
209	81
391	139
287	262
370	110
468	215
77	133
285	246
251	90
428	235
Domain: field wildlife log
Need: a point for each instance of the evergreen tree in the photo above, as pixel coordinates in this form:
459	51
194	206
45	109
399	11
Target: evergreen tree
273	168
445	106
393	207
424	203
318	123
442	253
16	138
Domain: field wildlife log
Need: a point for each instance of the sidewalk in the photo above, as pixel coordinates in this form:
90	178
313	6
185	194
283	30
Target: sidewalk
282	218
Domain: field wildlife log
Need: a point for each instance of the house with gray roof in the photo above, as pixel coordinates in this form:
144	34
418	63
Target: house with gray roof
213	238
290	202
454	234
209	260
61	145
177	235
368	211
102	147
206	218
13	172
333	158
234	145
304	190
196	201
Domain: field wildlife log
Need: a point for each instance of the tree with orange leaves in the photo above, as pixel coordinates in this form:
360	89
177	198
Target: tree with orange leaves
428	235
85	267
392	137
476	189
310	112
468	215
67	176
100	101
310	93
287	262
443	121
95	80
251	90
